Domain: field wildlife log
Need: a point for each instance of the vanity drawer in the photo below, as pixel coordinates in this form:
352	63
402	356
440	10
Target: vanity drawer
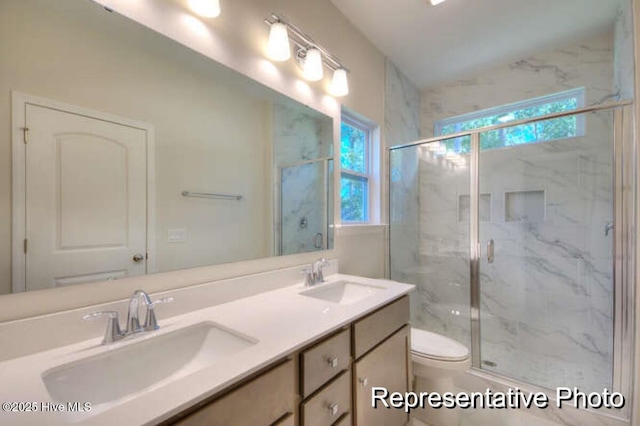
260	402
324	361
376	327
329	404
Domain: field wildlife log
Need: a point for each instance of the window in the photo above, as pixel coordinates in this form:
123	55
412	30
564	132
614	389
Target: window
541	131
356	174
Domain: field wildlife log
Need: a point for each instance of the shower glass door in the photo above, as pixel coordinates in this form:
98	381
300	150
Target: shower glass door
429	228
546	282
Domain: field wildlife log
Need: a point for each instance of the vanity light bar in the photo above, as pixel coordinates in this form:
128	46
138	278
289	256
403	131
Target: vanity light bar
304	42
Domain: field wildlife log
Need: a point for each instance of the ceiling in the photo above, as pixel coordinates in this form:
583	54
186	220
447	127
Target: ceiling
432	44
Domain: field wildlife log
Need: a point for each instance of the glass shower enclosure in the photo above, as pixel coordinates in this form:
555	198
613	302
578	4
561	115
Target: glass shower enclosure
520	243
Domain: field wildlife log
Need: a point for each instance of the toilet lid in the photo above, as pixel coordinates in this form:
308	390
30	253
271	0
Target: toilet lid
432	345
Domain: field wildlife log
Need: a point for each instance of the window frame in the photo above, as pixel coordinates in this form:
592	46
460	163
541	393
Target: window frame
368	175
578	94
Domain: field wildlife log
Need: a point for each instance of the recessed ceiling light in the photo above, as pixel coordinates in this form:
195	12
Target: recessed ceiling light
435	2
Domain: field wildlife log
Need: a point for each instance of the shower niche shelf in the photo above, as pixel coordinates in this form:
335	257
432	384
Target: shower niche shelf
524	206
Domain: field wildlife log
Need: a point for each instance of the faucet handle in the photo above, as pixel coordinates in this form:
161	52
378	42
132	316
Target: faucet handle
309	278
95	315
150	321
113	332
167	299
319	264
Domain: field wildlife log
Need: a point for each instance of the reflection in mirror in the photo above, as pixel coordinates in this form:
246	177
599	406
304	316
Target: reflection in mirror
119	122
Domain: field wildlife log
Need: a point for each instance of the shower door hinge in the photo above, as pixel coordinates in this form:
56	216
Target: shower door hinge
25	135
25	245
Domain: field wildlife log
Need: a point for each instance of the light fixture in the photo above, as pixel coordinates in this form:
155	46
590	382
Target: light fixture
313	65
279	48
339	83
435	2
311	56
205	8
506	118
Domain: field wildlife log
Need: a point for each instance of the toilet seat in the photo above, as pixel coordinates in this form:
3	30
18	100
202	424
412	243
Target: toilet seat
425	344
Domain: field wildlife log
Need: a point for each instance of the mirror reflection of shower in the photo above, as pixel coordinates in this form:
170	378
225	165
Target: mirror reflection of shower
304	209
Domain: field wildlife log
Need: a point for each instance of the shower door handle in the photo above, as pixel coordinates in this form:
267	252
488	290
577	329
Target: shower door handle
490	252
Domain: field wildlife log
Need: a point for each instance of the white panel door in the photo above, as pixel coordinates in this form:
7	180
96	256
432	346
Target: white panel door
85	199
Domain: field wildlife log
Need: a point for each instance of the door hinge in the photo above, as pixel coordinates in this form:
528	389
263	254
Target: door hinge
25	245
25	135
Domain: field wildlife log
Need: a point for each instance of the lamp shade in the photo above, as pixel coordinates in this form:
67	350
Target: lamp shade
279	48
205	8
313	65
339	83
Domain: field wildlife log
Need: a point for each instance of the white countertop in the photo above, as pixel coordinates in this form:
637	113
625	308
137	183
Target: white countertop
281	320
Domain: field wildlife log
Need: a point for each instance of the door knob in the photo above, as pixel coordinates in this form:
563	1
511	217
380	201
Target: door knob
138	258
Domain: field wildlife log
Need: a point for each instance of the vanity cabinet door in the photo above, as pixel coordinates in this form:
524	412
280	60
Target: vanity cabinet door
376	327
261	402
388	366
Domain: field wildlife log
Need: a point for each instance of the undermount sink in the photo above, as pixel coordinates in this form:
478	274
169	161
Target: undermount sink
153	360
342	292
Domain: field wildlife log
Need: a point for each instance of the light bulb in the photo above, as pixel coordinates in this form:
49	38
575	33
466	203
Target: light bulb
279	48
205	8
339	84
313	65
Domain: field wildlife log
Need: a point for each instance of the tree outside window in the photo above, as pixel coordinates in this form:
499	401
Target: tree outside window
541	131
355	146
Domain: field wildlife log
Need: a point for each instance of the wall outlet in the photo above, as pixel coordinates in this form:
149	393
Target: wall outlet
177	236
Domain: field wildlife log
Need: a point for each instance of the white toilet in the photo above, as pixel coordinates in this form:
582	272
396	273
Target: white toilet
436	360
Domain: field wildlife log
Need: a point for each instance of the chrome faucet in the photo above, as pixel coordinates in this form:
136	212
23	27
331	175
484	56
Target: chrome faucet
317	269
115	333
608	228
133	321
313	273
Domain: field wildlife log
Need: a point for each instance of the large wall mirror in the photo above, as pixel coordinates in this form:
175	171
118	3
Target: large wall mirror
125	153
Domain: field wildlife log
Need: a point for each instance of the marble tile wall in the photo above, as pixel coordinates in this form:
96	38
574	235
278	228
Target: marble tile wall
547	299
402	125
623	66
443	274
586	64
300	210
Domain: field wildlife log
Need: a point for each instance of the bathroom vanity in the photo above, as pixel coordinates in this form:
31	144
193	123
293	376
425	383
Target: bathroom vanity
291	355
325	377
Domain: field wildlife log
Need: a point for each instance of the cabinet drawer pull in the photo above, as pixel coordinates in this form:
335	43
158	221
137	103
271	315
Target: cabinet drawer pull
333	362
333	408
364	382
